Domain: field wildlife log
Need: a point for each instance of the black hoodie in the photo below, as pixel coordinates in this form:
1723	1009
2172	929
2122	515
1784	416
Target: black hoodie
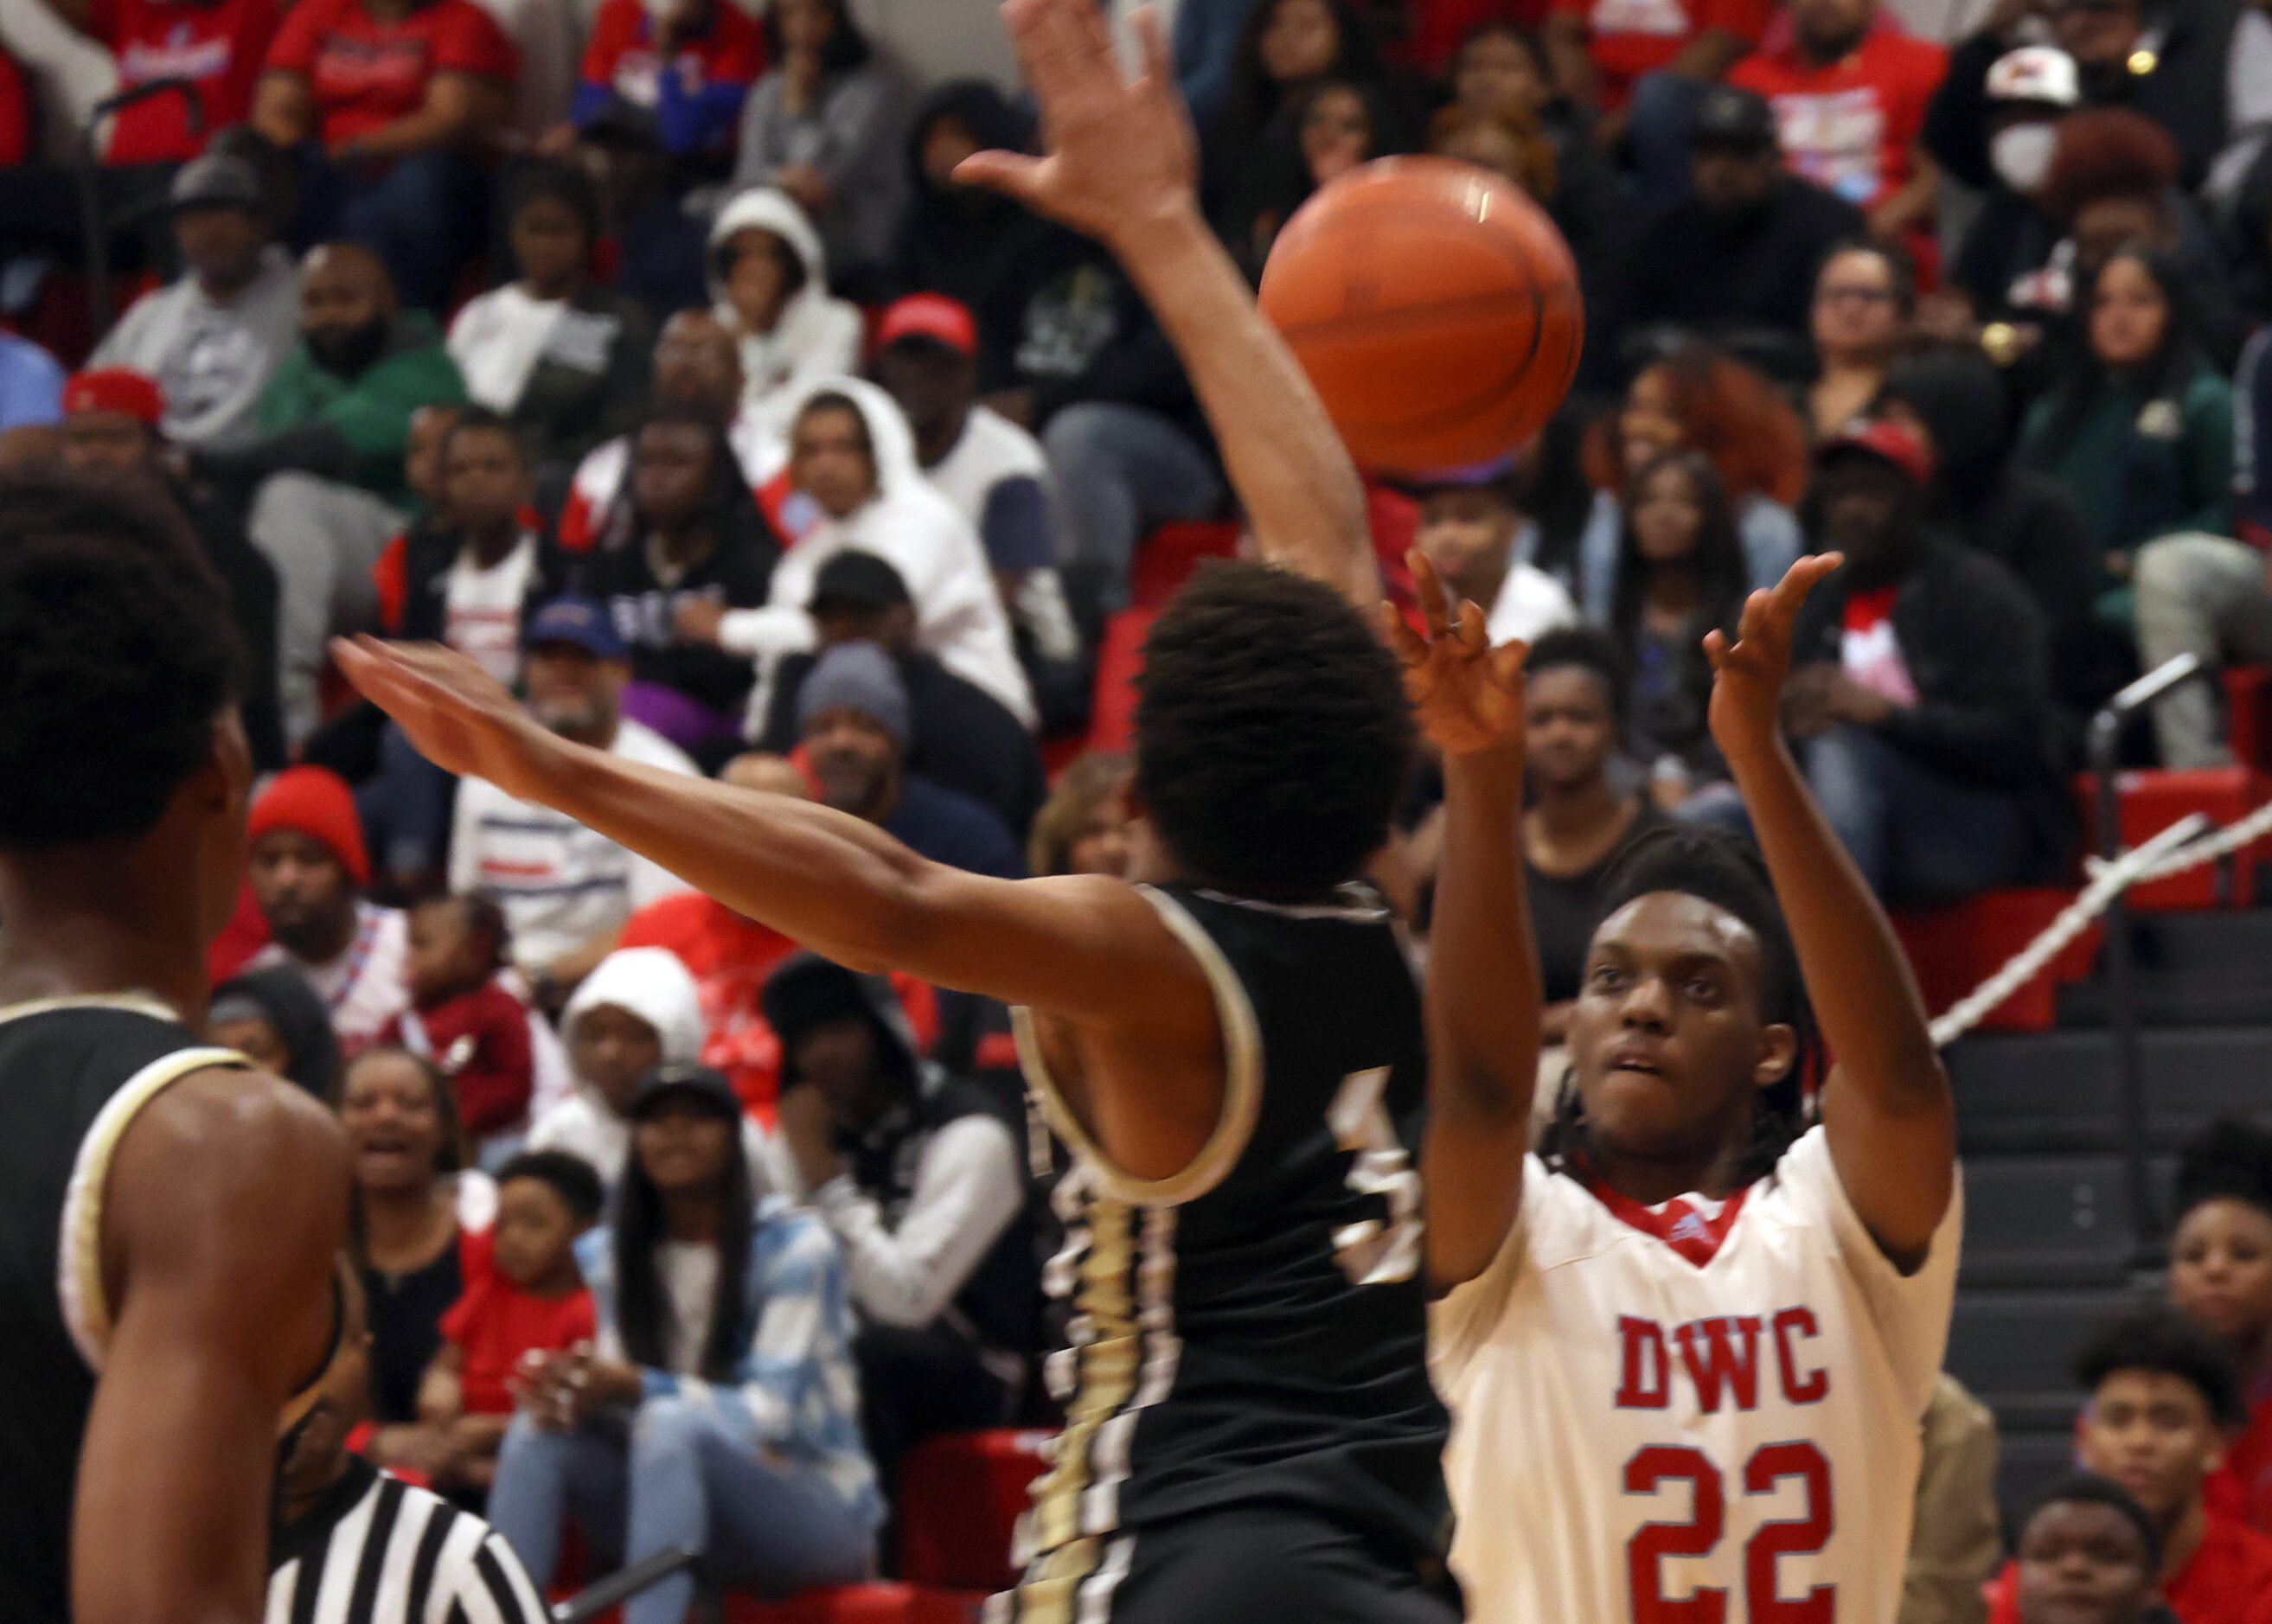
962	241
2024	520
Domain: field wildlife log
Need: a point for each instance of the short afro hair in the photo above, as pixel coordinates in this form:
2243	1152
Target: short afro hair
2228	1161
575	1180
2161	1340
117	651
1581	648
2087	1488
1272	733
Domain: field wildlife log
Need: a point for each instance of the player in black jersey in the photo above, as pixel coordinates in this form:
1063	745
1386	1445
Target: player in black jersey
168	1216
1234	1048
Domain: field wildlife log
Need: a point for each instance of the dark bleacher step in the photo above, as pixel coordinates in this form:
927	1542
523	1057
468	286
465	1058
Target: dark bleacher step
2211	941
2011	1347
2230	995
2054	1091
2053	1221
2028	1464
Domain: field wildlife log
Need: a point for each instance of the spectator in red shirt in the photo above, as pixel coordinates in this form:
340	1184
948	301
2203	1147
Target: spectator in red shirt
467	1022
533	1301
2221	1278
1640	66
390	101
690	62
1850	98
2162	1399
217	45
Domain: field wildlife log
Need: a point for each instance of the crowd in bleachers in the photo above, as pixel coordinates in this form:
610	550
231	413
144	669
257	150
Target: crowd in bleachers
680	386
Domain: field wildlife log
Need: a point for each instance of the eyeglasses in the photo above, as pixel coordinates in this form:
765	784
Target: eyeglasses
1855	296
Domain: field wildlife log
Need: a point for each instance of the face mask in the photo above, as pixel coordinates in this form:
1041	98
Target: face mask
2022	155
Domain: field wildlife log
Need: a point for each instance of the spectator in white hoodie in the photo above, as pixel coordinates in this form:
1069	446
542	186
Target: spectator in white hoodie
769	285
853	482
637	1011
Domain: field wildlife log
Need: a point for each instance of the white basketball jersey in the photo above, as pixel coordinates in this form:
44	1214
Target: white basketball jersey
1706	1412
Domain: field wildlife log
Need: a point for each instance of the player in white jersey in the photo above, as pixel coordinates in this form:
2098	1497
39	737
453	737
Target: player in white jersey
1688	1387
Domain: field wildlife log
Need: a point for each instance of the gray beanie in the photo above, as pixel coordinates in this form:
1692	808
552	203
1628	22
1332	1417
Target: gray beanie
855	676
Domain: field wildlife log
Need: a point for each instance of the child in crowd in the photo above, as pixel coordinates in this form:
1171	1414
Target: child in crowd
533	1300
2160	1401
466	1020
2088	1554
2221	1278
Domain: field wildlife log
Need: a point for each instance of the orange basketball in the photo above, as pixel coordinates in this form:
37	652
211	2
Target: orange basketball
1435	308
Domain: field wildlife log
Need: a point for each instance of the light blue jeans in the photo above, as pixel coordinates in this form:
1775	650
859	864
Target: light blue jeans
1117	473
682	1478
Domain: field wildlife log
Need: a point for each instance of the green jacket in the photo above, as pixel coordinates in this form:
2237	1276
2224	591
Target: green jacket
2139	468
372	410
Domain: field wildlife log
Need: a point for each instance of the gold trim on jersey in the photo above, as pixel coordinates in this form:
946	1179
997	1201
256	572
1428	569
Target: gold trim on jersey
137	1004
1242	1079
78	1252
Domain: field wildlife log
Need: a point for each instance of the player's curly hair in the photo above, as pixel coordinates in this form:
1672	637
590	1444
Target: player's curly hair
2228	1161
1272	733
1724	869
117	650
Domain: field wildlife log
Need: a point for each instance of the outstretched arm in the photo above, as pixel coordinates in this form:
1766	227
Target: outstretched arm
1887	1106
1085	947
1482	996
226	1204
1120	167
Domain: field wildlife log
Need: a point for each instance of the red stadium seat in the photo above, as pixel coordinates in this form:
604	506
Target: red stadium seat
861	1604
960	1496
2151	801
1955	947
1119	660
1165	559
2248	715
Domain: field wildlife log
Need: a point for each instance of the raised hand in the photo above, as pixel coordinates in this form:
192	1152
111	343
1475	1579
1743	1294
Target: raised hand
1466	694
461	718
1120	154
1748	674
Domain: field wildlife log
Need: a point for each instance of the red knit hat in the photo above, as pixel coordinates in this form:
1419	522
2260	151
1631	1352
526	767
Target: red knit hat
116	388
317	802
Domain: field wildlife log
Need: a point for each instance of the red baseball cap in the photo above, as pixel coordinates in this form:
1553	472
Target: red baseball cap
1887	441
930	316
116	388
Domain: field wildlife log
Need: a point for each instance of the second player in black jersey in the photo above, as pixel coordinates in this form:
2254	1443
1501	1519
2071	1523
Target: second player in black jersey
168	1215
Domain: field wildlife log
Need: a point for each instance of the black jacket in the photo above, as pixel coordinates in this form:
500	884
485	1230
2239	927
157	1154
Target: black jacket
1978	651
960	737
1747	283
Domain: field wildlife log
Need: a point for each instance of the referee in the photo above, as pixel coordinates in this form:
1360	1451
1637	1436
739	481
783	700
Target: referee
354	1546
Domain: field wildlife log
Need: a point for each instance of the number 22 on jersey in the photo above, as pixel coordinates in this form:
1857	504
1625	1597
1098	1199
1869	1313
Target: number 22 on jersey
1662	1467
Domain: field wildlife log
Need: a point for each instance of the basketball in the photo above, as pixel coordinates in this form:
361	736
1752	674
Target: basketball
1435	308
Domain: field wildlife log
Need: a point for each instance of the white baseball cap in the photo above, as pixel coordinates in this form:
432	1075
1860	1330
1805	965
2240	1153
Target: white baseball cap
2035	73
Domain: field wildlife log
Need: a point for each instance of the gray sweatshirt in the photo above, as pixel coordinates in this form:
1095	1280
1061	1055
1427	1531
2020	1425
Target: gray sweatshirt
210	358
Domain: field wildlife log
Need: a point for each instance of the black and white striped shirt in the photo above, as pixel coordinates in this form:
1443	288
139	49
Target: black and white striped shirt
376	1551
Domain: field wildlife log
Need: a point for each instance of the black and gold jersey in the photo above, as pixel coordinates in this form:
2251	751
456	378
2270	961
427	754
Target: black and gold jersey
1252	1330
74	1073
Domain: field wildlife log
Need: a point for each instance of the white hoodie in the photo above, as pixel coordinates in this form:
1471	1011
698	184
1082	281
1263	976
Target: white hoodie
815	336
907	523
650	983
